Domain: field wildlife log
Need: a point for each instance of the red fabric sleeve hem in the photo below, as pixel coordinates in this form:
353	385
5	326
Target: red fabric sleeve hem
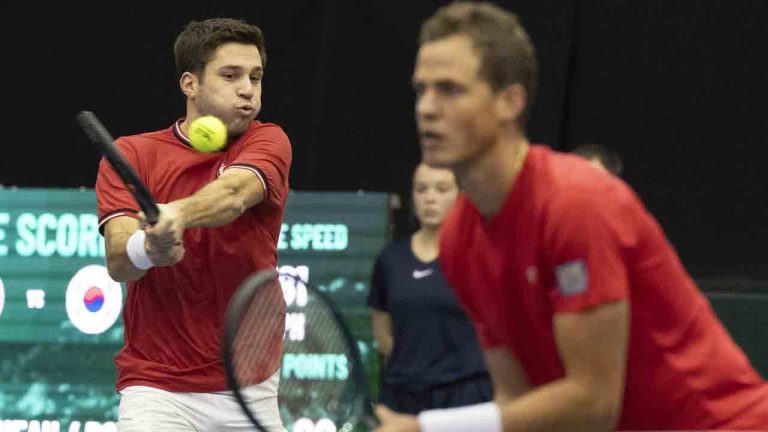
584	304
114	214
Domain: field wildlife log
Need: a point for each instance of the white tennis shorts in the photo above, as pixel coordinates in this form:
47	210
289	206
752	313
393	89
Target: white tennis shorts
144	409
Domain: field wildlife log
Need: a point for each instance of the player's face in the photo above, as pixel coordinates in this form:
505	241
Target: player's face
231	86
455	108
434	192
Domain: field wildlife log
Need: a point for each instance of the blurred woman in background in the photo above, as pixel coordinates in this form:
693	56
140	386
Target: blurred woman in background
431	355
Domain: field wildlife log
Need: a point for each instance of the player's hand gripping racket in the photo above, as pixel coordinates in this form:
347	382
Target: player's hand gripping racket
322	376
104	142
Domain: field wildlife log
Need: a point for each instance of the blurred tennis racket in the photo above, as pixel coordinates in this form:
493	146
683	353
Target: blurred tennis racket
322	369
104	142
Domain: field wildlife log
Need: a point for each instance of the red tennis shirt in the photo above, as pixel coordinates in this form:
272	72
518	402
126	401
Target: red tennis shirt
571	237
174	315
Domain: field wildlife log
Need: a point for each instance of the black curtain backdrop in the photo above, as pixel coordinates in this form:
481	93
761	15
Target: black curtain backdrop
675	86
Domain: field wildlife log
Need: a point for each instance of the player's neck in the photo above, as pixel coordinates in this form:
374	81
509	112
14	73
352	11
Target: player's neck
425	244
487	179
192	114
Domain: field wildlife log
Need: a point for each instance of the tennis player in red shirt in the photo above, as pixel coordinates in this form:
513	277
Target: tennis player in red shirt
587	317
220	223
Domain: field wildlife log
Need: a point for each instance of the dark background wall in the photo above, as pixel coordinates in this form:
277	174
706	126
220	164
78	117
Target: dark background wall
675	86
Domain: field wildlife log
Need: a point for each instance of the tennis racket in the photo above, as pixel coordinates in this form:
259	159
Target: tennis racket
104	142
322	378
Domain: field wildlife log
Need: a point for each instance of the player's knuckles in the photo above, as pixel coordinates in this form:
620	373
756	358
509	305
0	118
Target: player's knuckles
168	256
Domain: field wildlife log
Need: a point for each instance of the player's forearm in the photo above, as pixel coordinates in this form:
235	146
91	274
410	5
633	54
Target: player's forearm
119	266
218	203
563	405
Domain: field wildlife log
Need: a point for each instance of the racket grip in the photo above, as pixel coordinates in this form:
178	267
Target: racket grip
151	214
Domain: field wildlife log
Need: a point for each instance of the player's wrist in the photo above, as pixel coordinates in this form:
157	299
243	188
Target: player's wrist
479	417
137	252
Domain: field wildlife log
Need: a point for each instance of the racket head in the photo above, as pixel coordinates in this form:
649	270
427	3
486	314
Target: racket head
104	142
322	376
253	333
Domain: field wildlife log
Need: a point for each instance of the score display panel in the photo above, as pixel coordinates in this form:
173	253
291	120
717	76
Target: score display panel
60	313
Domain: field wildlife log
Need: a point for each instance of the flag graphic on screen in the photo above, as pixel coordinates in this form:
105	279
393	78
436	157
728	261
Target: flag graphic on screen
94	300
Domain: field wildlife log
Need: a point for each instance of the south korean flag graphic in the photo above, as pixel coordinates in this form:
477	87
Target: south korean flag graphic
93	300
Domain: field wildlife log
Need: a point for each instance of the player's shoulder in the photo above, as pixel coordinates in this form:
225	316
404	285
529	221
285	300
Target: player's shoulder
573	179
142	141
266	130
577	190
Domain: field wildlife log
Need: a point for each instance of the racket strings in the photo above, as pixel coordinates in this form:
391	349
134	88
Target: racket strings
258	341
328	382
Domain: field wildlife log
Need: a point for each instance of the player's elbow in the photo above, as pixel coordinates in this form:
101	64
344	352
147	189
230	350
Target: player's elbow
235	206
120	271
116	272
235	201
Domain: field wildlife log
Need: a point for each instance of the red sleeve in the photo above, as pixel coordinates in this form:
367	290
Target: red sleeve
112	196
586	242
268	151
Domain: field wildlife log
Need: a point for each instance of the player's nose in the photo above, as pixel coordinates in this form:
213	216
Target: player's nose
426	106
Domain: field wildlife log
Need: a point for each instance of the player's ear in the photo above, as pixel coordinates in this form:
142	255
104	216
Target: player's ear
510	102
188	83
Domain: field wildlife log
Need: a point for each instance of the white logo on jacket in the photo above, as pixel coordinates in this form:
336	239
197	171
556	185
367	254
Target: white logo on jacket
420	274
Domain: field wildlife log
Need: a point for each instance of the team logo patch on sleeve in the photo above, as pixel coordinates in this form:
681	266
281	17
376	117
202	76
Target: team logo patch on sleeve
572	277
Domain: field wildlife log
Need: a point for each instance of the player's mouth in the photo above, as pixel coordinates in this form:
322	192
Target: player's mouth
429	139
246	110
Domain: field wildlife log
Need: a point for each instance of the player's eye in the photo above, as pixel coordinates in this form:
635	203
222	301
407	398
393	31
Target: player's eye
449	88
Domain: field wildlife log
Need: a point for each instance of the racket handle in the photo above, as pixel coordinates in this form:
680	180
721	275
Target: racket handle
151	214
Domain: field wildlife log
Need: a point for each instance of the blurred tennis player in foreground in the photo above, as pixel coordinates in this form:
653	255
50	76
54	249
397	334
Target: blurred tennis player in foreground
220	223
588	319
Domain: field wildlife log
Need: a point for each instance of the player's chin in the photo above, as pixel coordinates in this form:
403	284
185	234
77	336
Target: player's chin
436	159
238	126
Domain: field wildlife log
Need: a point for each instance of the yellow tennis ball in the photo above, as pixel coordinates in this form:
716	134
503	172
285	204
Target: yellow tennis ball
207	134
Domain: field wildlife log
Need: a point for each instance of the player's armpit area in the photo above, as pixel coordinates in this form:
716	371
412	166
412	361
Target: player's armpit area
508	377
593	349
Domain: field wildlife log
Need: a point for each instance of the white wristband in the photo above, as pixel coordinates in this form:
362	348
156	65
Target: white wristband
136	251
472	418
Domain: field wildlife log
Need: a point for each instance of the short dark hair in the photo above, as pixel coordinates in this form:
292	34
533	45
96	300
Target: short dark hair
507	55
195	44
609	158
